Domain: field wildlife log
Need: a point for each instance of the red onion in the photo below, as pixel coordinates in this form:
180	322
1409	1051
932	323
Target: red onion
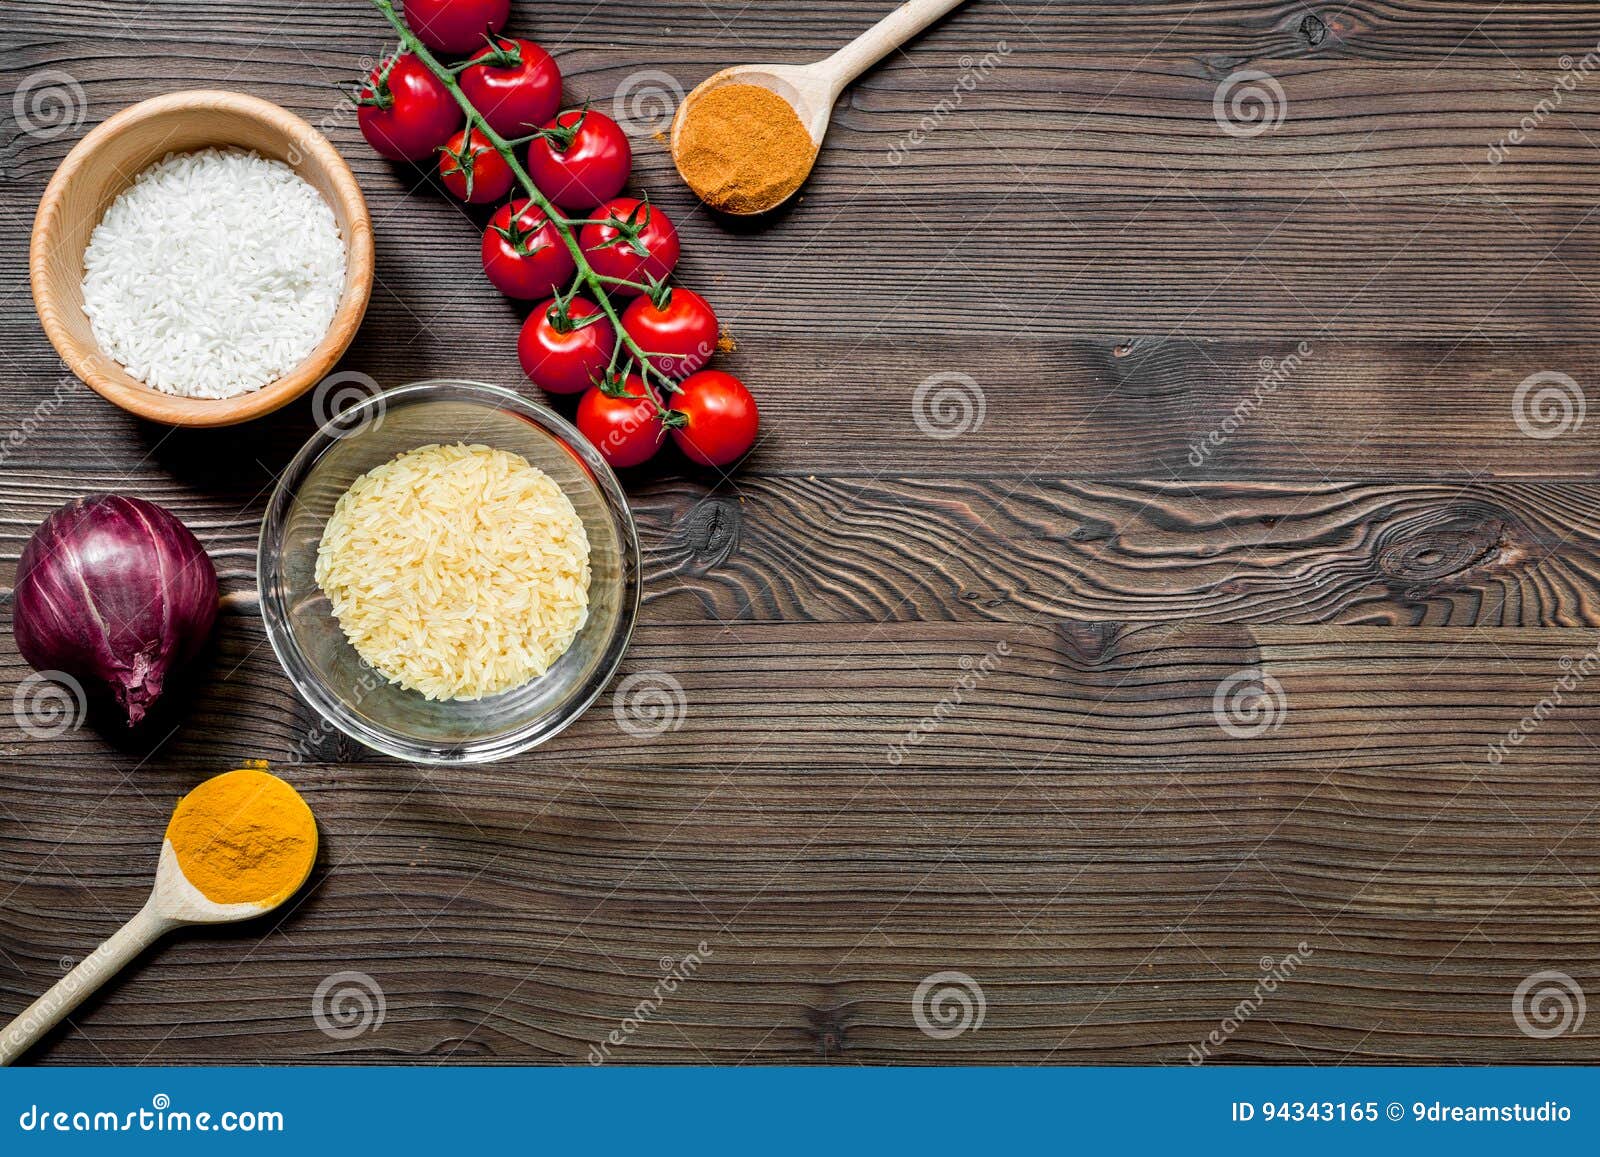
115	592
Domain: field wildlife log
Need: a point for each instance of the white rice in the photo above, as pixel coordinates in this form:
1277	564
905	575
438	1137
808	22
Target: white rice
213	274
457	571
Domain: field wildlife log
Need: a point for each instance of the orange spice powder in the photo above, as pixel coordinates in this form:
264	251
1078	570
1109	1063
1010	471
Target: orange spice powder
742	149
244	837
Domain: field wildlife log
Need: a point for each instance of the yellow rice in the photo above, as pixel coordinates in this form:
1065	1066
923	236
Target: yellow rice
457	571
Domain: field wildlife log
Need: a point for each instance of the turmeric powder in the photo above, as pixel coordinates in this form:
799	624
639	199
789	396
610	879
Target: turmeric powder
742	148
244	837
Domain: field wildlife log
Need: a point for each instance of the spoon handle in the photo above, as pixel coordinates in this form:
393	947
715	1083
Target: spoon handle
74	988
883	38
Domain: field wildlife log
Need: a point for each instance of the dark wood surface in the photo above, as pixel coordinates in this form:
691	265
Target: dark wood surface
1062	589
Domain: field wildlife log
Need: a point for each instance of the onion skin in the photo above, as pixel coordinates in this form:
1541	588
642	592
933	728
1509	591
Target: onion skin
117	593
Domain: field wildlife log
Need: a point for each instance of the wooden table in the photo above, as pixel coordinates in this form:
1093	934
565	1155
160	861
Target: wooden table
950	703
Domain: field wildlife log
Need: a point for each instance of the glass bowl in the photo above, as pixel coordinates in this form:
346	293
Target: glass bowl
320	661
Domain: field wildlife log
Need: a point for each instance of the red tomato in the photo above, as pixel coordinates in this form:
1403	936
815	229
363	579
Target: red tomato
683	331
587	164
566	356
472	170
612	253
523	254
626	431
517	87
404	111
455	26
720	418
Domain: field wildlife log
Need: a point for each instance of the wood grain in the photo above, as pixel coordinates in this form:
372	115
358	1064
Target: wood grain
1108	915
1053	695
1407	30
865	548
1376	188
947	703
1112	408
1497	554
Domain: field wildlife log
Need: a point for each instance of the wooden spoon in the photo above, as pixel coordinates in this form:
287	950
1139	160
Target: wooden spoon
812	89
174	903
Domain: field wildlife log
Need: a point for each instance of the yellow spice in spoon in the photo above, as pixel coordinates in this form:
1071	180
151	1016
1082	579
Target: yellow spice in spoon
244	837
742	149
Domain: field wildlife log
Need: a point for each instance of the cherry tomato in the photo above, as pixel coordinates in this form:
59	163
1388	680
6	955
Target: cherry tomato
612	254
455	26
404	111
626	431
683	331
523	255
566	357
722	420
593	165
517	87
472	170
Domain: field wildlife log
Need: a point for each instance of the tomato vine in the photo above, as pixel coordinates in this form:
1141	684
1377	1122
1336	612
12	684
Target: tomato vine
638	360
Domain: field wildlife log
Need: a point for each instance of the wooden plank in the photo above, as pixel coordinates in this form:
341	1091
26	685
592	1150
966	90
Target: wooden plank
1497	554
866	549
1123	125
1118	268
1107	409
1376	188
1410	30
846	696
1135	250
1107	916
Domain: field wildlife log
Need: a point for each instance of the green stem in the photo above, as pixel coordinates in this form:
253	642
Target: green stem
639	285
591	280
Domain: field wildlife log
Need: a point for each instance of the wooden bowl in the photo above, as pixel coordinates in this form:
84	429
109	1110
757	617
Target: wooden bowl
108	160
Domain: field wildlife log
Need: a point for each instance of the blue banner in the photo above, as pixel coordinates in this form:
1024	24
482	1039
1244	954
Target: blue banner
787	1110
